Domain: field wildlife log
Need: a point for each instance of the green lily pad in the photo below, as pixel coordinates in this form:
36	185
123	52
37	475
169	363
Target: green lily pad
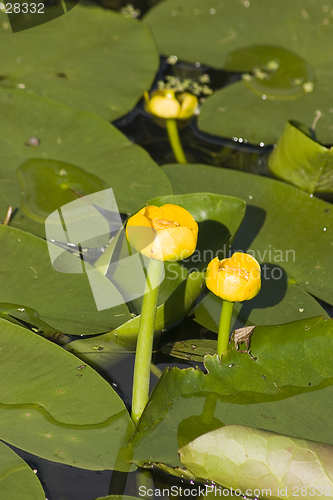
17	480
62	300
55	407
285	229
91	58
284	386
300	160
287	73
81	139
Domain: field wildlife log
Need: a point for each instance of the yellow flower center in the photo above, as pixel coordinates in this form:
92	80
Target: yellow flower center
159	224
238	271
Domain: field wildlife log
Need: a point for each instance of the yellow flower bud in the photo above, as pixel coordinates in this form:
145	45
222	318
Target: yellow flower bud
163	233
234	279
167	104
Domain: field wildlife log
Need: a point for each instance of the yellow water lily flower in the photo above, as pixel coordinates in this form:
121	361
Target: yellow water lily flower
168	104
235	279
163	233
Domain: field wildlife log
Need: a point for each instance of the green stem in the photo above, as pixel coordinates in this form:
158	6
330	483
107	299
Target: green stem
172	129
224	328
209	408
145	340
155	370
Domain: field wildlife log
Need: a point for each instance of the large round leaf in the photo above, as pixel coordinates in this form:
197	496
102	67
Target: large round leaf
285	229
17	480
54	406
91	58
79	138
62	300
288	70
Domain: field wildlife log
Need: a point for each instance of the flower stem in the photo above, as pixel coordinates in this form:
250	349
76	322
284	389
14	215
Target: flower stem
145	340
209	408
172	129
224	328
